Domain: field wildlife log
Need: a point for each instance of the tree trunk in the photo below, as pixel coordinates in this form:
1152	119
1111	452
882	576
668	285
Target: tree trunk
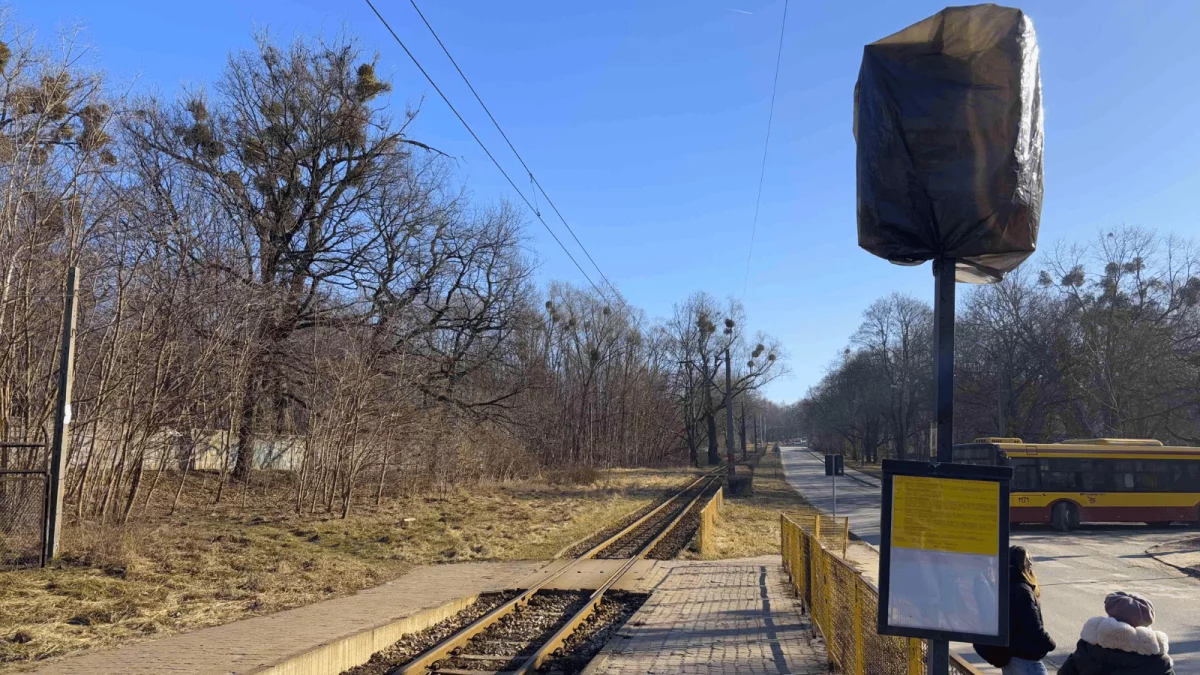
139	466
693	455
714	456
898	440
182	481
245	435
743	430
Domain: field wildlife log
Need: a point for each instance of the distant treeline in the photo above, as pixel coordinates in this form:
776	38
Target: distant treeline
1101	339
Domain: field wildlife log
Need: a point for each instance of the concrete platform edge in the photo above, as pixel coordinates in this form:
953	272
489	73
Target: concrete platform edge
352	650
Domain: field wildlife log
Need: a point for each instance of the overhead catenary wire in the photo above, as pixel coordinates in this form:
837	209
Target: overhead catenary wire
484	147
762	173
532	179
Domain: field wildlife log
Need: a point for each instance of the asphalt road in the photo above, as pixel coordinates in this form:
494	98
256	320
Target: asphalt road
1076	569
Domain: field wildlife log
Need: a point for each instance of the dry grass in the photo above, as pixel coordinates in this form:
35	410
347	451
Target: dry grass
211	565
750	526
862	467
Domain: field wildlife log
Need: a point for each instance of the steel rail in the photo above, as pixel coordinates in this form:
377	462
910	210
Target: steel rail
424	661
628	530
562	634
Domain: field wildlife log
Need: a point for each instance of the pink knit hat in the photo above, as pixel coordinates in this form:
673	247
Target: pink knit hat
1129	608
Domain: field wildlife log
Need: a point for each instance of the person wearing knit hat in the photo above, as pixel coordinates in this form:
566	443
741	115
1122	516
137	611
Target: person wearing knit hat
1129	608
1121	643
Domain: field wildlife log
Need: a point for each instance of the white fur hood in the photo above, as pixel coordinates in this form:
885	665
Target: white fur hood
1105	631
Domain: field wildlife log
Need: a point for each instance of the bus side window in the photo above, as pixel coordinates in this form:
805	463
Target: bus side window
1025	475
1095	481
1185	476
1060	475
1188	478
1153	477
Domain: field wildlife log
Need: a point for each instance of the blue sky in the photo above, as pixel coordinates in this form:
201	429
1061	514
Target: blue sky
645	122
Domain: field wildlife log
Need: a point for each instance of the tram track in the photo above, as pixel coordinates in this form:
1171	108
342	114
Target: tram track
526	634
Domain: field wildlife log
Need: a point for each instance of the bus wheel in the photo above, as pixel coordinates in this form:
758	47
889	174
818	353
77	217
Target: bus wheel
1064	517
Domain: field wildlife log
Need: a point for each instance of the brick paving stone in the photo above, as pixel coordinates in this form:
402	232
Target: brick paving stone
707	618
245	645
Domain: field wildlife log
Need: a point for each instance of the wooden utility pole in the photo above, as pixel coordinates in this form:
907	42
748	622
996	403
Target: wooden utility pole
62	420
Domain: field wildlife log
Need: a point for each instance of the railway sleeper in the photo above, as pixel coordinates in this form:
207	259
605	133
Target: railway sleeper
539	624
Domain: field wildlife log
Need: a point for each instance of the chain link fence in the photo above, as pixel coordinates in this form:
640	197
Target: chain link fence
844	605
22	518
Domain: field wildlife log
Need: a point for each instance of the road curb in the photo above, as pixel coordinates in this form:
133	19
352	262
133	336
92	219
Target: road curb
1158	554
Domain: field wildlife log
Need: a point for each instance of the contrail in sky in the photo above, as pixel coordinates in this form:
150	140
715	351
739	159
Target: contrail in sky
739	11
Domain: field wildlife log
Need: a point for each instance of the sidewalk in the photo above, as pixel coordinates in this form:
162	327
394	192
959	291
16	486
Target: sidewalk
250	644
858	494
720	617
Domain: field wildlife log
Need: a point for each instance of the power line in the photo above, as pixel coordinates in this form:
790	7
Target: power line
766	144
483	147
533	179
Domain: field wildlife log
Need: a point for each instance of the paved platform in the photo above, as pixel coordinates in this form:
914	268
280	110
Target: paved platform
591	574
724	617
249	644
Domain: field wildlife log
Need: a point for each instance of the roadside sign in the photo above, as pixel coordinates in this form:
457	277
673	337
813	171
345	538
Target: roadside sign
944	559
835	465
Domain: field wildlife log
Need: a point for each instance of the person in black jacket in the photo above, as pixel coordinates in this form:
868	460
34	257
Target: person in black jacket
1121	643
1028	641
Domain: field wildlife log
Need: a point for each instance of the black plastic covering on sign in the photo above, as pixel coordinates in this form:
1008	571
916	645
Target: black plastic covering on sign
948	121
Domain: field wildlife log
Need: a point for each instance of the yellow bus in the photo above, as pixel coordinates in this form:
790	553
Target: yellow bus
1094	480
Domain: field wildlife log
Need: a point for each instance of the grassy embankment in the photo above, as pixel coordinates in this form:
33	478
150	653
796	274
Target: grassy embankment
750	526
207	565
862	467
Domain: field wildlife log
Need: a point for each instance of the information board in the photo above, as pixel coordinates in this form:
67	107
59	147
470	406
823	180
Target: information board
946	514
944	567
835	465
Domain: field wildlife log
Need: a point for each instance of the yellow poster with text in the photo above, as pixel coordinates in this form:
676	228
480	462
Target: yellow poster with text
946	514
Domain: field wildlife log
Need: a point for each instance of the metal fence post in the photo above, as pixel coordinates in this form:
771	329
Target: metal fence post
826	600
915	665
860	640
817	527
783	545
845	537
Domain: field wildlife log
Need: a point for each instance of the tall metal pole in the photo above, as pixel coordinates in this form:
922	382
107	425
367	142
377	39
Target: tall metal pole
742	428
943	393
62	421
729	445
943	348
834	479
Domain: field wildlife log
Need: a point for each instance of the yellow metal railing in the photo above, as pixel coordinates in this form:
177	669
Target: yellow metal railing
844	605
